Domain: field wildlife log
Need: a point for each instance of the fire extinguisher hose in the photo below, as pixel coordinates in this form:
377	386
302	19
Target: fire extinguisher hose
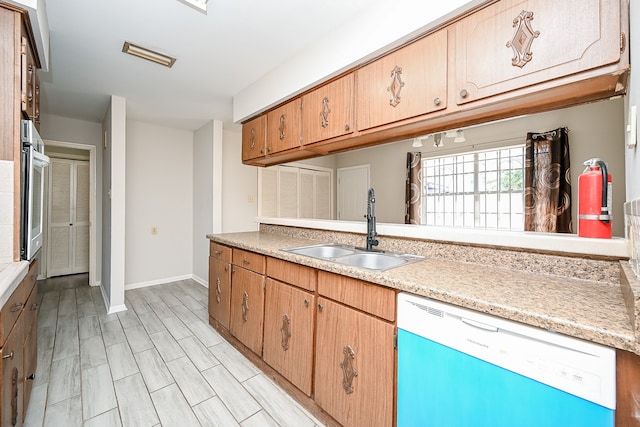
605	188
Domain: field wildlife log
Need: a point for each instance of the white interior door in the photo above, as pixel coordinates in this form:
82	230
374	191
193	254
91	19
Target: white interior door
353	185
68	240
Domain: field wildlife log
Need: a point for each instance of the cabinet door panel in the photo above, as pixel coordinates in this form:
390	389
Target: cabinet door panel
288	333
219	290
30	362
406	83
12	377
283	127
254	137
492	45
349	341
247	308
327	112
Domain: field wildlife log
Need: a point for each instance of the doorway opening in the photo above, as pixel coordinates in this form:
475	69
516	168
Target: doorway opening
71	232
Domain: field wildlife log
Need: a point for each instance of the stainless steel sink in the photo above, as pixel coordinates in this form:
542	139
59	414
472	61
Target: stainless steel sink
331	250
356	257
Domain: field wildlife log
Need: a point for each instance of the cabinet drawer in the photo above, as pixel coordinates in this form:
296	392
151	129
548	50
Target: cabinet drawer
249	260
291	273
220	252
373	299
10	312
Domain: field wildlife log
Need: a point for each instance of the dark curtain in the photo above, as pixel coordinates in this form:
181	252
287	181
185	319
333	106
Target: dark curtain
413	189
547	193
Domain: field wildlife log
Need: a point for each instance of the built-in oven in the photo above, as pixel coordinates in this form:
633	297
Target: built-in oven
33	165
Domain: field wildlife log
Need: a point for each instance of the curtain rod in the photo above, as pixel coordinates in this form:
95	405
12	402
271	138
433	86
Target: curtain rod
551	132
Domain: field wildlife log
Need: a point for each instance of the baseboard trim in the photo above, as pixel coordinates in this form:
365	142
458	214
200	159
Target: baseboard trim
156	282
200	280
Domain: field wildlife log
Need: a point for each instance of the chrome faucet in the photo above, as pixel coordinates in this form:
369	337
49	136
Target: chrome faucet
371	220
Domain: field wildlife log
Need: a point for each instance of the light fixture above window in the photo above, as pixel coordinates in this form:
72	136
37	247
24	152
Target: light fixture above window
417	143
437	140
199	5
149	55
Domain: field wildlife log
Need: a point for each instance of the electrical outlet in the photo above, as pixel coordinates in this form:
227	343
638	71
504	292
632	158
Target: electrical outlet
154	230
250	199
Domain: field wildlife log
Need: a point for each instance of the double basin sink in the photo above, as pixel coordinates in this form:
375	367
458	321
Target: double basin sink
356	257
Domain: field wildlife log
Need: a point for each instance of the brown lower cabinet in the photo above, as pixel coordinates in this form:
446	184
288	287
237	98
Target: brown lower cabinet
18	352
355	359
247	307
288	332
220	290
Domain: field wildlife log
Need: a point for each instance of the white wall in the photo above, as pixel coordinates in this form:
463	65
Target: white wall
633	98
239	187
202	199
159	193
596	130
81	132
359	39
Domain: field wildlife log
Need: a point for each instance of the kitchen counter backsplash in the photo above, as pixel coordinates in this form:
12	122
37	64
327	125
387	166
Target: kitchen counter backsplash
632	227
599	270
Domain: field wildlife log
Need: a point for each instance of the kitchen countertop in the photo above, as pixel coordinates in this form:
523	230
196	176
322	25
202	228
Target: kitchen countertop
587	309
10	277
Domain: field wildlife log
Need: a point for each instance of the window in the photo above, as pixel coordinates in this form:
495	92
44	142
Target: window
482	189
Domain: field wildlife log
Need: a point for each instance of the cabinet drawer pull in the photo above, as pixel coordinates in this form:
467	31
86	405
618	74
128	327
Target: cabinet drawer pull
218	252
17	306
245	307
320	307
31	377
246	262
34	307
464	93
8	356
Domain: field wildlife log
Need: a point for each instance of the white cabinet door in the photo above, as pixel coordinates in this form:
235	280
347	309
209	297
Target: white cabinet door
68	237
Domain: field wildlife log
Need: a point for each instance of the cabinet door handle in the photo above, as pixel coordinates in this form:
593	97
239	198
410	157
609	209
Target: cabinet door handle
245	307
286	333
282	126
253	139
348	370
8	356
395	86
437	101
464	93
14	396
324	114
226	268
34	307
347	127
306	303
31	377
218	292
320	307
17	306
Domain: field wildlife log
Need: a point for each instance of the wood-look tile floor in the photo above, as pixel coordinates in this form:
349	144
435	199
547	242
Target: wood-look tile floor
157	364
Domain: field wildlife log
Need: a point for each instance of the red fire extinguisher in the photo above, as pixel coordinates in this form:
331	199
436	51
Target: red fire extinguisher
594	200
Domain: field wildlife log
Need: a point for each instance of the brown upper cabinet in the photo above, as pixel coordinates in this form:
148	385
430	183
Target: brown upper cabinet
283	127
327	112
514	44
408	82
254	138
507	58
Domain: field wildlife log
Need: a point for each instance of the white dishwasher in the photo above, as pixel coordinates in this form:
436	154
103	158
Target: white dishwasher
461	368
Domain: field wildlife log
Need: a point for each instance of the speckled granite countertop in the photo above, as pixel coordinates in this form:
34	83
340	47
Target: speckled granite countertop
586	309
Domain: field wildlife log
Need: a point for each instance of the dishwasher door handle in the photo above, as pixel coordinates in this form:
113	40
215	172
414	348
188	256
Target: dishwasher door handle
479	325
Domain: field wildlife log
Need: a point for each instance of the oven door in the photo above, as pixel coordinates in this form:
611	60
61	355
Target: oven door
33	203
